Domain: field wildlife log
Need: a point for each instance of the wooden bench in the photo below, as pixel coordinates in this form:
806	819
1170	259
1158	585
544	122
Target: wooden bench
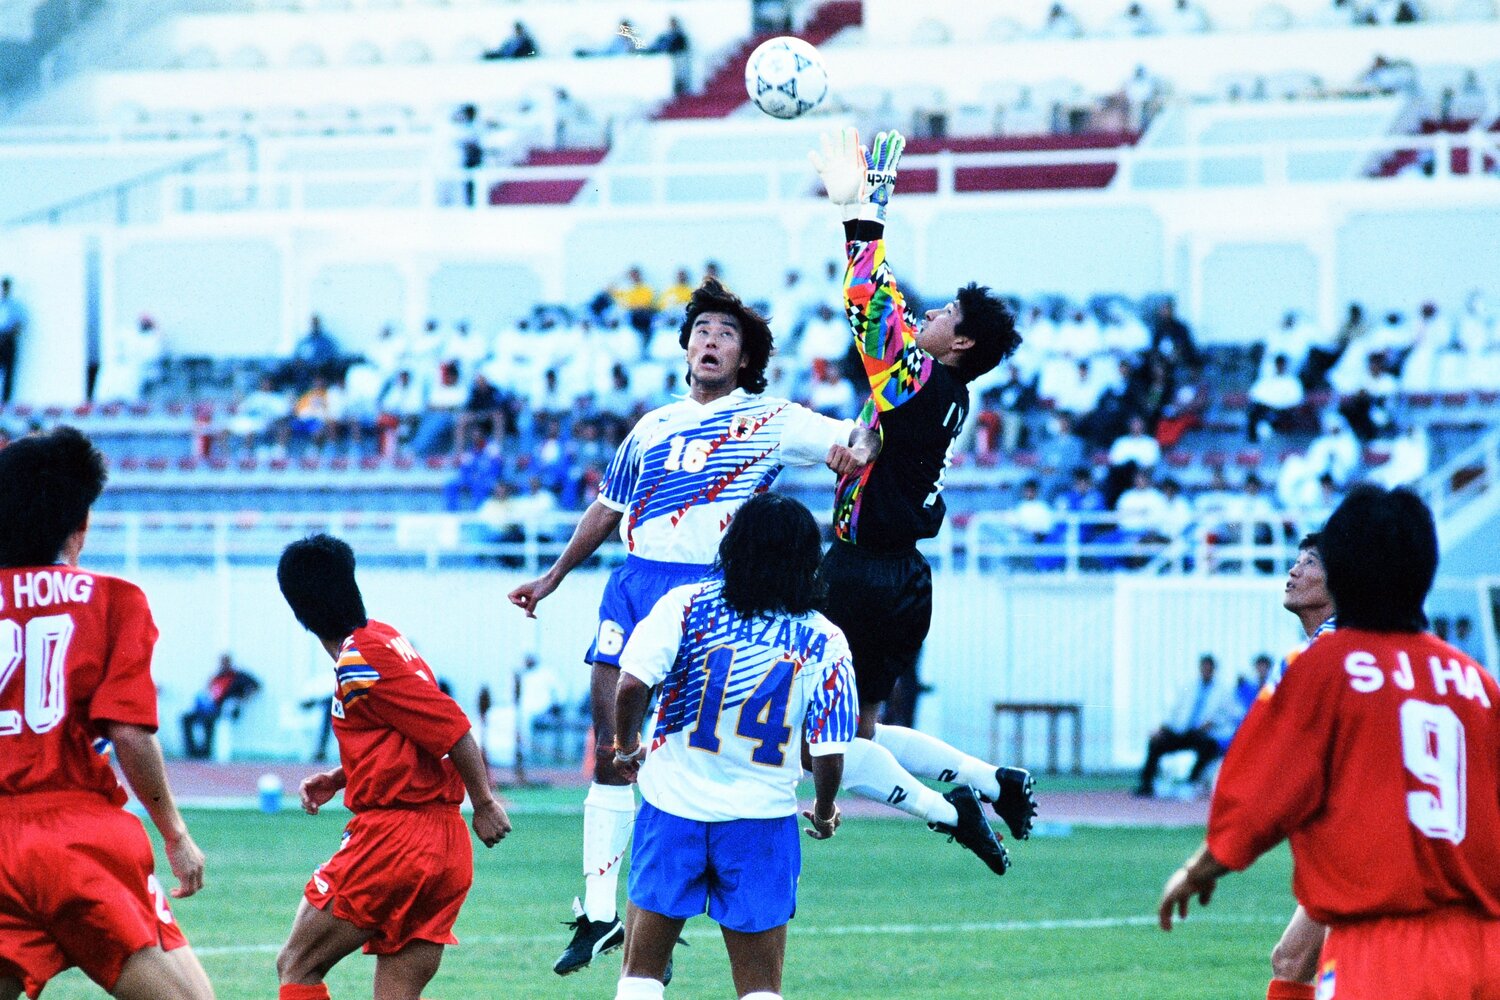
1018	710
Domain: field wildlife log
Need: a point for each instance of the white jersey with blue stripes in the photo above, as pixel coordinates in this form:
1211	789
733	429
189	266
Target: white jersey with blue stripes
739	697
686	467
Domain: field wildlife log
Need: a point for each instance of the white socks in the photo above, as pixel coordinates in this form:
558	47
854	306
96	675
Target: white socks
633	988
871	771
608	819
761	996
928	757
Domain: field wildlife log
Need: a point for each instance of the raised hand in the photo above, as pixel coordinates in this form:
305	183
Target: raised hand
841	166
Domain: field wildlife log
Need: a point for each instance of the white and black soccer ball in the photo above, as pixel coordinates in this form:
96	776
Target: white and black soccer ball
785	77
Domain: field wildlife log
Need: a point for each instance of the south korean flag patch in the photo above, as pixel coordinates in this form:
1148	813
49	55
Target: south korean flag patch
1324	987
741	427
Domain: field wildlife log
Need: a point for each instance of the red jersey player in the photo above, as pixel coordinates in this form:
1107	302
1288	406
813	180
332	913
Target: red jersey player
1378	755
76	882
406	755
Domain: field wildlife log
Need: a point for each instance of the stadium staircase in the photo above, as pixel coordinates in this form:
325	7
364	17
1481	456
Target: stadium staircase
722	94
1464	494
1458	156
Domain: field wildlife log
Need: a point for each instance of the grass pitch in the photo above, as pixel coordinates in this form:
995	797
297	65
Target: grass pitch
886	910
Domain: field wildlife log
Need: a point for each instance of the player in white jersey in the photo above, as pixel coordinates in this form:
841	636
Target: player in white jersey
749	673
1294	961
671	491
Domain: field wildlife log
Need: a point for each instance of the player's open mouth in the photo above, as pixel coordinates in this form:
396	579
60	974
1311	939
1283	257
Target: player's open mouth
709	361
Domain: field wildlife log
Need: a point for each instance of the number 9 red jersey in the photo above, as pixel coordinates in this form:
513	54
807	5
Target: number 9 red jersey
75	652
1379	756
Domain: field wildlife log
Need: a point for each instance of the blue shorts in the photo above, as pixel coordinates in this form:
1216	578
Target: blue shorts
742	871
632	591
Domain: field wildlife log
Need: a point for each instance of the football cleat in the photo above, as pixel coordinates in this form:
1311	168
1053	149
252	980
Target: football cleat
590	939
1015	804
972	831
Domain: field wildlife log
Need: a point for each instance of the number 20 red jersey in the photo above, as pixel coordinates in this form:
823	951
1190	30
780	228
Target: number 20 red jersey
75	652
1379	756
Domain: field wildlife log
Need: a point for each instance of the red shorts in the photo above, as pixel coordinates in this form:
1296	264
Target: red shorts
402	873
76	888
1443	955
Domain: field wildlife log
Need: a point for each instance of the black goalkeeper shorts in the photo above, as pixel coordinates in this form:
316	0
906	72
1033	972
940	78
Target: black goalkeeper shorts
883	604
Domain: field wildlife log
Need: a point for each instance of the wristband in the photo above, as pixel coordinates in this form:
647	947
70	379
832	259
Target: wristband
621	757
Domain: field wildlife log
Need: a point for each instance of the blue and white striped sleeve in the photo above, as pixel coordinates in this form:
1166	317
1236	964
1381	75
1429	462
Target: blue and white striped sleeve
623	472
833	710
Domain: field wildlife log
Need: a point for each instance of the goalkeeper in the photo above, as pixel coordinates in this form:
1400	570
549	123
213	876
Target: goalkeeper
879	585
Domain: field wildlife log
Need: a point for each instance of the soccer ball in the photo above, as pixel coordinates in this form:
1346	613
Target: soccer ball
785	77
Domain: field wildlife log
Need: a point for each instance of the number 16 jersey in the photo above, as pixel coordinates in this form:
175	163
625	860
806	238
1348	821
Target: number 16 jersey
75	652
686	467
739	696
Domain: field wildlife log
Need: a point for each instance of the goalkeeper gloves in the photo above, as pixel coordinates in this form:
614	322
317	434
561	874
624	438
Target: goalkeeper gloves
858	180
880	174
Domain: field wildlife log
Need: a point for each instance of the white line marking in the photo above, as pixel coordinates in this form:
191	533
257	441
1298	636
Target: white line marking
972	927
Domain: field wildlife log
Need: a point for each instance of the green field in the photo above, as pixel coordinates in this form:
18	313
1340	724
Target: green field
887	910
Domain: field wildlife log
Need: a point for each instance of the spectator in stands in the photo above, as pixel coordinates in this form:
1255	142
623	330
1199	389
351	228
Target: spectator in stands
401	405
1121	330
625	41
1061	23
387	353
551	401
226	691
1466	639
1182	413
1203	712
316	355
637	301
1142	512
1389	76
825	337
259	420
1142	99
465	139
1274	399
363	383
318	413
132	362
1250	517
1009	401
674	42
1186	18
1032	517
1322	357
436	425
1061	451
1178	516
830	393
520	45
12	325
1410	458
483	409
1478	331
1136	446
1366	404
1135	21
1292	337
1171	338
1335	451
1150	389
481	465
1247	687
1465	106
1389	12
674	298
465	349
1084	500
1340	14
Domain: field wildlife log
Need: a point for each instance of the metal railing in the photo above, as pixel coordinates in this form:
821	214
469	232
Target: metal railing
990	543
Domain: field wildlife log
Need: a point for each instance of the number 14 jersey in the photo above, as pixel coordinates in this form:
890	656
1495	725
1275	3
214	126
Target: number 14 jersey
739	696
1379	756
75	652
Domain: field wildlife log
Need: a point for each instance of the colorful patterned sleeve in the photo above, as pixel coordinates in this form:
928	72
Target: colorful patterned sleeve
883	332
833	710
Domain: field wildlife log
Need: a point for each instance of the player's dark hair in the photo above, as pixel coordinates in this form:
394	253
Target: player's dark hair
756	341
769	558
990	325
48	482
1312	540
1380	554
316	576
